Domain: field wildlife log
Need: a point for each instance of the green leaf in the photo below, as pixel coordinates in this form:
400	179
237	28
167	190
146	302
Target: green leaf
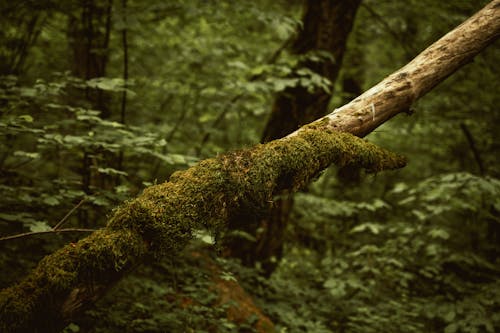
226	276
178	159
330	283
28	92
258	70
39	226
111	171
243	235
432	250
206	117
122	189
371	227
336	287
452	328
71	328
107	84
407	200
99	200
32	155
113	124
419	214
55	106
439	233
51	201
378	203
75	140
27	118
10	217
204	236
449	316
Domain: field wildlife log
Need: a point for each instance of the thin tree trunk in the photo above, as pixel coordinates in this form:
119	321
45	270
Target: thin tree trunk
160	221
88	35
125	81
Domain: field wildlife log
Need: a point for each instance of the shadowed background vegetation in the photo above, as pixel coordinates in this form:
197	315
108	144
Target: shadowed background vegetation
100	98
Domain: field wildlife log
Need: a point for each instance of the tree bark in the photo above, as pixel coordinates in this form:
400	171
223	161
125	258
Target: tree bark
326	25
160	221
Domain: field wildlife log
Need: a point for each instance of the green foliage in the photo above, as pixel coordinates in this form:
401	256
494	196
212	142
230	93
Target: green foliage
66	142
410	251
421	261
180	298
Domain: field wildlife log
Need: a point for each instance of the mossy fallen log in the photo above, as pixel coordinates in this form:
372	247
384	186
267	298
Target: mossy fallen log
161	220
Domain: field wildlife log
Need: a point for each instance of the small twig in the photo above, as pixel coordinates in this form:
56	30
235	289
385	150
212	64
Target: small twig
65	218
54	229
473	148
26	234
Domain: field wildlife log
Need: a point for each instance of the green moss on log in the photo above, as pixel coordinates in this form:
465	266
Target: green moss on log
35	304
161	220
207	194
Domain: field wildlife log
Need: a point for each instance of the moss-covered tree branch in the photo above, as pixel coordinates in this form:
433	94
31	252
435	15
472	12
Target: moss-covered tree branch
162	219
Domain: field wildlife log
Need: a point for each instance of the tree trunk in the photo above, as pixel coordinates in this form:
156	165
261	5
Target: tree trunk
88	35
89	28
160	221
326	27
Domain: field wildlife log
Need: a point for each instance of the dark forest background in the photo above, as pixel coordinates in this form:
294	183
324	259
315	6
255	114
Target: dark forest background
101	98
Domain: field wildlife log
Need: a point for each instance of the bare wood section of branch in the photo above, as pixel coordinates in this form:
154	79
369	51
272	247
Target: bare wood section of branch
397	92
